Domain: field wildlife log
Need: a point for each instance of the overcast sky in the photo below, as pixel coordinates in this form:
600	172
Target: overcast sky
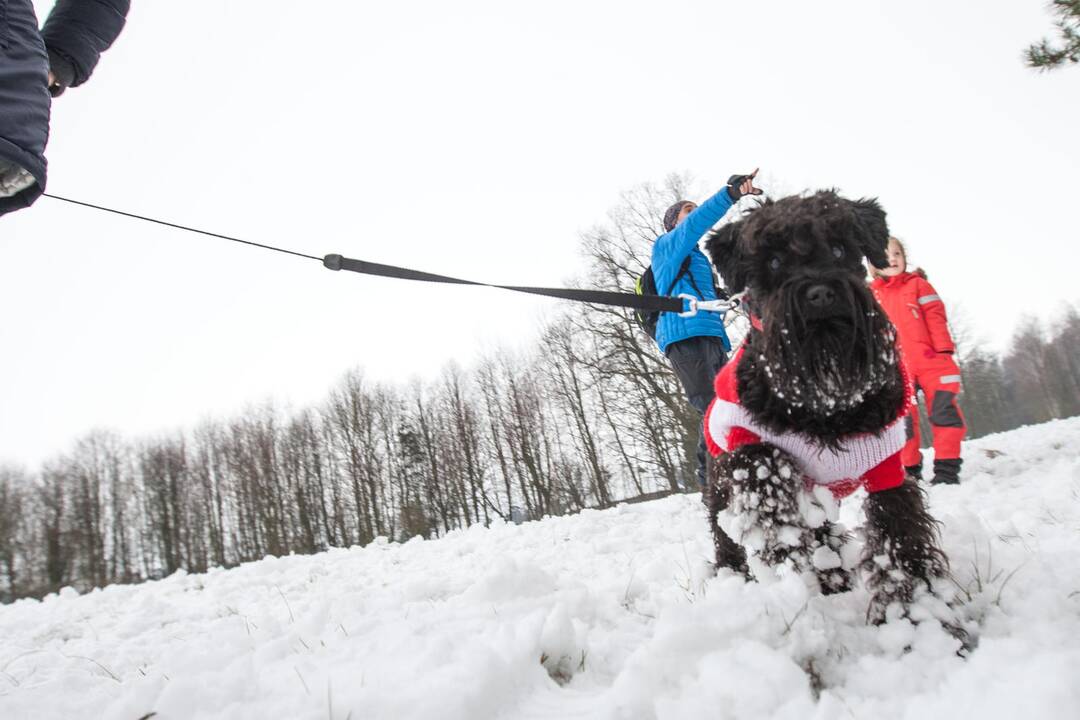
481	139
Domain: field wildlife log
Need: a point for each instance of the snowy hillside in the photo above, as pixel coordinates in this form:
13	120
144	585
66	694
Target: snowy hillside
607	614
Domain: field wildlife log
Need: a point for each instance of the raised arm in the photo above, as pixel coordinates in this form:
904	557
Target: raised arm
673	247
76	34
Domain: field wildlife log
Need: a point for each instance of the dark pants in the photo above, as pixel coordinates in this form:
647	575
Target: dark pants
696	361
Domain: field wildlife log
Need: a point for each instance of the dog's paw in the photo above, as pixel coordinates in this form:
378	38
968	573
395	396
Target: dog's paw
764	478
919	602
902	560
833	582
767	503
890	595
730	555
717	496
897	586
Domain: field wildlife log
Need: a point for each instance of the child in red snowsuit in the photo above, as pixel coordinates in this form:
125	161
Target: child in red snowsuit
927	349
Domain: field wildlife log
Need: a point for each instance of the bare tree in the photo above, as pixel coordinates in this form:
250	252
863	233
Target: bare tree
987	408
466	439
13	530
208	474
162	465
622	355
491	389
1062	364
573	394
352	416
1025	371
52	499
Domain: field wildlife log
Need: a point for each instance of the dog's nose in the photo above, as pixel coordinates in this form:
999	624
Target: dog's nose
820	296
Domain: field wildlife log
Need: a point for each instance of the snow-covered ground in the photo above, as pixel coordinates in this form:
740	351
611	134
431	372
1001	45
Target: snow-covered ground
609	614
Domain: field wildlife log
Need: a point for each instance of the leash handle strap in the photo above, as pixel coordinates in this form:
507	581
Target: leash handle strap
595	297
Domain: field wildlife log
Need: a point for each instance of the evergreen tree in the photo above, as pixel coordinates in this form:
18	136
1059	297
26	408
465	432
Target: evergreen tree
1046	56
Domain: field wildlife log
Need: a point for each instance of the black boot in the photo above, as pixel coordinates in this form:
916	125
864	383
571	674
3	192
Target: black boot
914	471
946	472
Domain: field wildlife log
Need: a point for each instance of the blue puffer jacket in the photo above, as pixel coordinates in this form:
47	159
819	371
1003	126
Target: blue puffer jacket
669	251
76	33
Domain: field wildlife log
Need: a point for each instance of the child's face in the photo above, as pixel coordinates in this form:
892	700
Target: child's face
897	261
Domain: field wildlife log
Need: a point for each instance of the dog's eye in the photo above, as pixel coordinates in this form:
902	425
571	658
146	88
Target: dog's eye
837	251
774	263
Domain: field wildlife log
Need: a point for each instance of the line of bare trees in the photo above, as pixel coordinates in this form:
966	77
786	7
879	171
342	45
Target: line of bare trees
592	415
1037	379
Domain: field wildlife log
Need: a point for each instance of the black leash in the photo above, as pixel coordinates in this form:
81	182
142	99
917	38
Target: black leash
595	297
338	262
178	227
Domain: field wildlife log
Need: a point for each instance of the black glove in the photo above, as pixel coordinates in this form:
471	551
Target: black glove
63	73
733	184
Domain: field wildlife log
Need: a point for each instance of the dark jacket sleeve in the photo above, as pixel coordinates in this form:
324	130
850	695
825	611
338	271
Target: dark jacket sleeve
24	98
80	30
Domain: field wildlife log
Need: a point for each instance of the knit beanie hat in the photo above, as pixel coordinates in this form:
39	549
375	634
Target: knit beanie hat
672	215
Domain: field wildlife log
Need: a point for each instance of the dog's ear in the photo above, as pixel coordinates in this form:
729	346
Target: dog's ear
872	232
723	249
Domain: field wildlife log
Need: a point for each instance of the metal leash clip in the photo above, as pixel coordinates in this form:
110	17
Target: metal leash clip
718	305
692	301
721	306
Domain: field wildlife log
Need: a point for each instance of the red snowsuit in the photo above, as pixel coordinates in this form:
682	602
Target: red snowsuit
926	347
865	459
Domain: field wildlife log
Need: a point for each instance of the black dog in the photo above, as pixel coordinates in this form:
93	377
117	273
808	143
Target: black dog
815	400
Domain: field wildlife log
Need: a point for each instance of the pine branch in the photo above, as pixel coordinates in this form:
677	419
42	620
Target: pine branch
1046	56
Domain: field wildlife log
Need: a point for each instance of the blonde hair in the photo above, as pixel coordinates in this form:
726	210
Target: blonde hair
876	272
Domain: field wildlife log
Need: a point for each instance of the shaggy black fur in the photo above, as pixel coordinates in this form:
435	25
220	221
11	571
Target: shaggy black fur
900	536
823	363
728	553
763	486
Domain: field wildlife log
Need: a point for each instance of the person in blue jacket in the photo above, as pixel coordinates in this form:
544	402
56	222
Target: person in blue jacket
36	66
697	346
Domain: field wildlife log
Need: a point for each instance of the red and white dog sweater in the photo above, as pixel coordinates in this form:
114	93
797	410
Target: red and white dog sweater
870	460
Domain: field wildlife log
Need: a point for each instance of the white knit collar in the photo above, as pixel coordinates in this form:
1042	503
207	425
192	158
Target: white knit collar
857	454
